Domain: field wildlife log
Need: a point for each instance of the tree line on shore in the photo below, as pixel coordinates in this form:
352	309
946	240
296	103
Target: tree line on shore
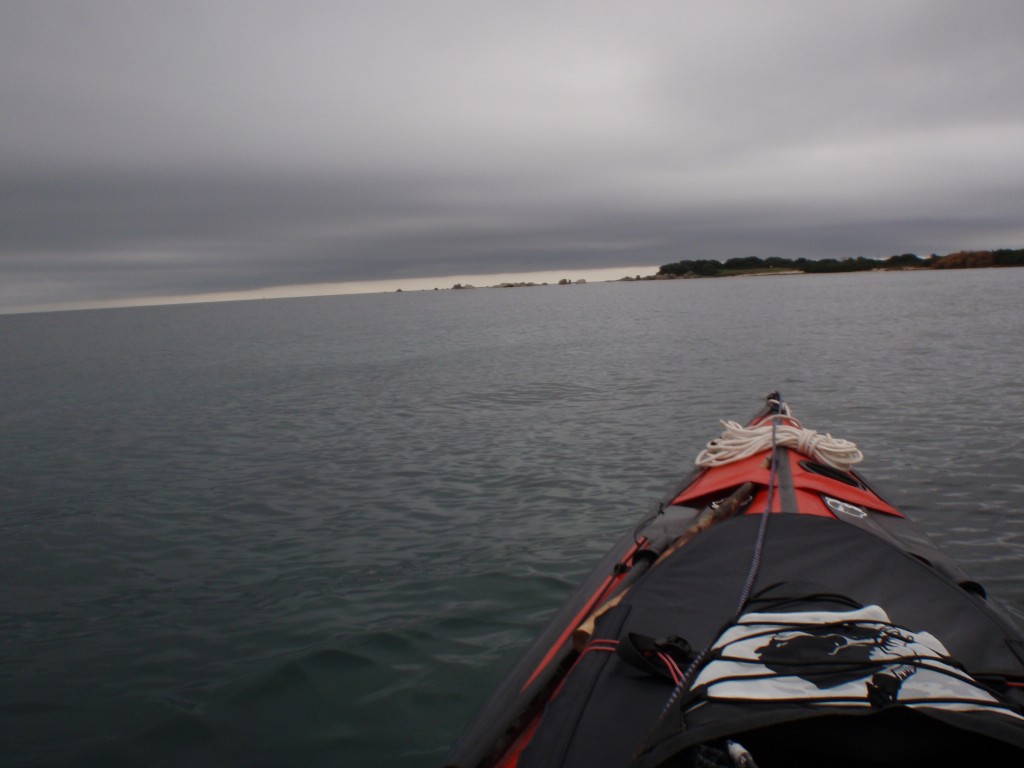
961	260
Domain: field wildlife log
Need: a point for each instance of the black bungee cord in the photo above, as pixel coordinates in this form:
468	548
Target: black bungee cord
780	410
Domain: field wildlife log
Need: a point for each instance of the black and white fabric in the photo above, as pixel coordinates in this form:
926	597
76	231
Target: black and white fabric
837	658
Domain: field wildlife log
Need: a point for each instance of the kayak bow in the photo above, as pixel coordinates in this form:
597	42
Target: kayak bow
774	610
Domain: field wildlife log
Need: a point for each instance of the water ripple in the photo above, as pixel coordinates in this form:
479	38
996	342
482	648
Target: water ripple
315	532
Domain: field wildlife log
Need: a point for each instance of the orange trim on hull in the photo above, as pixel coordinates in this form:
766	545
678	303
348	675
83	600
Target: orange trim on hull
595	600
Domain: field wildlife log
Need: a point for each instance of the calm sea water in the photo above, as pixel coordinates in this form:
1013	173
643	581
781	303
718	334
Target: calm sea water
314	532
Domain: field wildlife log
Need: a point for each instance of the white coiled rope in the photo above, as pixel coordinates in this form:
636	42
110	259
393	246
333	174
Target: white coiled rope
738	442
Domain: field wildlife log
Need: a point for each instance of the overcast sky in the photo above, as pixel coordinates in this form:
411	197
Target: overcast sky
156	148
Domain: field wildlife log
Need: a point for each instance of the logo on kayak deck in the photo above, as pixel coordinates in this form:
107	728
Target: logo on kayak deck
829	656
843	507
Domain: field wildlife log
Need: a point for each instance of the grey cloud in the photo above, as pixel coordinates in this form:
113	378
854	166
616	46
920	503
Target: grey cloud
153	149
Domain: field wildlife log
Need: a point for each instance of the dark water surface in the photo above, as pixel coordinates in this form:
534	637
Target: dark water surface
314	532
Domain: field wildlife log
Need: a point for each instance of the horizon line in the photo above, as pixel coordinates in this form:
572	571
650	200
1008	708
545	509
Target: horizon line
344	288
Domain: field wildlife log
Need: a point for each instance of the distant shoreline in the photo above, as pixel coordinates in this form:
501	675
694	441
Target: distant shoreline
750	266
754	266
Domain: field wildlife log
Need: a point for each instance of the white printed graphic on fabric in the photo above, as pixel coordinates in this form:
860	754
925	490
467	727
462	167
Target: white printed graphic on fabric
845	658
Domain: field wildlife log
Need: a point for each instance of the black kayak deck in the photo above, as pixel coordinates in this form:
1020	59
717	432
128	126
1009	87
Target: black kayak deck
606	711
